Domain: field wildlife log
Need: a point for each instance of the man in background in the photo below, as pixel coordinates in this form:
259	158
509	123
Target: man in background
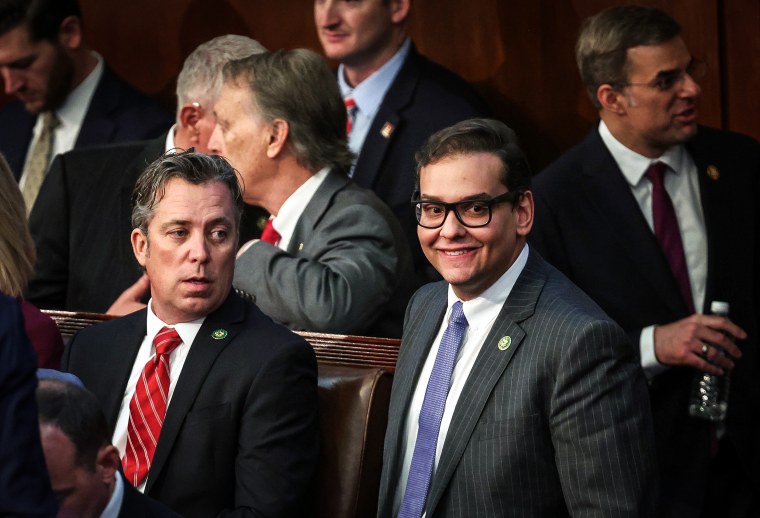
332	258
82	226
655	217
67	96
395	97
82	463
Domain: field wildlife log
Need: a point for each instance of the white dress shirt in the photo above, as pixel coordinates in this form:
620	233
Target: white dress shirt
290	212
70	114
682	184
187	331
481	313
369	94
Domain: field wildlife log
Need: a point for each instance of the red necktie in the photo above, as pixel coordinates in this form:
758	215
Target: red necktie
269	234
667	232
148	408
350	113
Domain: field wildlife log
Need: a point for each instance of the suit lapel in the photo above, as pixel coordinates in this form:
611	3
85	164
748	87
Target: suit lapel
386	123
98	127
488	369
609	195
203	353
314	211
419	334
125	344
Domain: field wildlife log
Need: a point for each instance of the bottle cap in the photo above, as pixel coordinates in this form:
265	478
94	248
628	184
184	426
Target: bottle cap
719	307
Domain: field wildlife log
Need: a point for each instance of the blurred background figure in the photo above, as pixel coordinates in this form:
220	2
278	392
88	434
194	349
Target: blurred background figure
16	266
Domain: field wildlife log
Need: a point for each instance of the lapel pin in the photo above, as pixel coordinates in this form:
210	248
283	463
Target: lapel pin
713	172
219	334
504	343
387	130
300	246
261	222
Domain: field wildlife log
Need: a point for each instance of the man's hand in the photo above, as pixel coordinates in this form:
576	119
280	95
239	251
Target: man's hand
682	343
129	301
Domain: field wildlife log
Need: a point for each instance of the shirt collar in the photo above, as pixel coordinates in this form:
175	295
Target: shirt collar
632	164
186	330
370	93
114	503
169	144
73	109
483	309
290	212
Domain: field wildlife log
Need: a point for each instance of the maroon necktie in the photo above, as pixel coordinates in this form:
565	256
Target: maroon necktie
269	234
350	113
667	232
148	408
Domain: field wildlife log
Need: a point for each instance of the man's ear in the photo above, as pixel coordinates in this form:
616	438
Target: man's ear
70	33
140	246
189	115
399	10
524	212
107	463
278	136
612	100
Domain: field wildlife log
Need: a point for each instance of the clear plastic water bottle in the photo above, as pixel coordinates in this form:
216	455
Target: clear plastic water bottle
709	394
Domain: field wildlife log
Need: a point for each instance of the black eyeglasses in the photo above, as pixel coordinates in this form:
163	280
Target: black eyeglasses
470	213
666	81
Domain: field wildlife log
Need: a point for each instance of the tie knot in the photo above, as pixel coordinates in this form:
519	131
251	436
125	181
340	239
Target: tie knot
350	103
50	121
166	341
457	314
656	171
269	234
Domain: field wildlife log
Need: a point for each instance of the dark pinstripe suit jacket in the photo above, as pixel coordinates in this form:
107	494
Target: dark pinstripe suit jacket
558	424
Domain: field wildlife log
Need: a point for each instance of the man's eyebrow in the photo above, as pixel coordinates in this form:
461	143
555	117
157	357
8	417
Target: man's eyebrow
173	223
472	197
222	220
22	62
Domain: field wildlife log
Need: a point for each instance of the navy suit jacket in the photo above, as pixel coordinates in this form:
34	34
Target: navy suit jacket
240	434
589	225
136	505
117	113
423	98
24	483
555	424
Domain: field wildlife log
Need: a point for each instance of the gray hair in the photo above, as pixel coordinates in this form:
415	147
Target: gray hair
602	47
478	136
298	87
201	76
192	167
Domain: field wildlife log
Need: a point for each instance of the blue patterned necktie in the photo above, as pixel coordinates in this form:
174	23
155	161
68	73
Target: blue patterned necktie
421	469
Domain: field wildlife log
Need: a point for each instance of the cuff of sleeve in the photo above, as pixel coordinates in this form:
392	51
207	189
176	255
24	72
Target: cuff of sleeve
649	362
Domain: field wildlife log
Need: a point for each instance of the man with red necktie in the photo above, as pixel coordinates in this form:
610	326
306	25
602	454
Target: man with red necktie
212	405
655	217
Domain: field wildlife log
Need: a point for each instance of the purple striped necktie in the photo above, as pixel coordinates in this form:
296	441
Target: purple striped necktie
667	232
421	468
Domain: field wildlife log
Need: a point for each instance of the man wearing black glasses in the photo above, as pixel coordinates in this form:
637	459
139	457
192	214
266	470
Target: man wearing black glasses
655	217
513	393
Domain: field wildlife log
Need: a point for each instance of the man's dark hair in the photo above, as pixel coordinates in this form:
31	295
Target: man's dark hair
601	51
478	136
76	412
42	18
190	166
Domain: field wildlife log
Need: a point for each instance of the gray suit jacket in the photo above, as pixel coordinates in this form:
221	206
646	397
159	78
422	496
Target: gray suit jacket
557	424
347	268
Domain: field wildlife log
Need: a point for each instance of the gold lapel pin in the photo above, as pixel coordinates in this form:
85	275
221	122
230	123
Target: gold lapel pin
219	334
300	246
713	172
504	343
387	130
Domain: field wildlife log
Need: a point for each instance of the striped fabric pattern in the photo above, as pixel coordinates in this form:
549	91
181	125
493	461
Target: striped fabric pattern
148	408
